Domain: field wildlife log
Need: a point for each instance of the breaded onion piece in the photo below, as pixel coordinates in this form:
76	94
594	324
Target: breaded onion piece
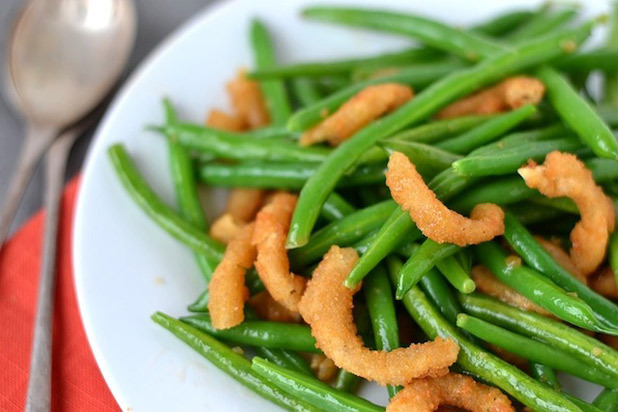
509	94
323	367
243	203
363	108
327	307
435	220
227	287
248	101
226	228
561	256
488	284
272	264
269	309
218	119
563	174
426	395
604	283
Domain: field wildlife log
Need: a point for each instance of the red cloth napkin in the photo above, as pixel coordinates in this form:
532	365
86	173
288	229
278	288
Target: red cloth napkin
77	384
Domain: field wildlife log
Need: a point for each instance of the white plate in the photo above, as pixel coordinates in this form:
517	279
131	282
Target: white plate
125	266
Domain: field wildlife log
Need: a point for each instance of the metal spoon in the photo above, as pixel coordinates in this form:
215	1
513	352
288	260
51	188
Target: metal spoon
64	57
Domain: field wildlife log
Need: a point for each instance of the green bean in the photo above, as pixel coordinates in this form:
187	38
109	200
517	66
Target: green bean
579	114
284	358
542	23
479	362
154	207
424	104
420	263
321	69
201	303
456	274
528	213
522	139
437	131
599	59
290	175
503	24
305	91
379	298
610	95
230	362
501	191
488	131
563	204
430	32
183	176
538	258
532	350
509	161
342	232
274	335
311	390
603	170
607	400
540	290
237	146
613	254
418	76
273	90
271	132
439	293
427	159
545	374
336	208
346	381
544	329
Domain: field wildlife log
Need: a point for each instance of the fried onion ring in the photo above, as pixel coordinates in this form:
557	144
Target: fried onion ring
363	108
323	367
269	309
426	395
435	220
560	256
227	287
509	94
327	307
218	119
563	174
243	203
488	284
226	228
272	264
248	101
604	283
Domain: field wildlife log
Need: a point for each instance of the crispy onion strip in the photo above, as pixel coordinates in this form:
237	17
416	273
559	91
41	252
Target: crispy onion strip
243	203
248	101
226	228
604	283
327	307
269	309
435	220
560	256
218	119
563	174
487	283
509	94
227	286
363	108
426	395
272	264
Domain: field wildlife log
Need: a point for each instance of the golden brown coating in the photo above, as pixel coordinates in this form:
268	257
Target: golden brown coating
362	109
227	287
248	101
243	203
218	119
431	216
327	307
269	309
323	368
225	228
272	264
604	283
509	94
488	284
562	174
426	395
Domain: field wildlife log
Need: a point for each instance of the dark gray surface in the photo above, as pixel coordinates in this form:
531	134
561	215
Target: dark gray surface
156	19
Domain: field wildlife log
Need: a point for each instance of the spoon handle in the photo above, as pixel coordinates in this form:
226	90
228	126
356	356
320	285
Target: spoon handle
39	385
36	142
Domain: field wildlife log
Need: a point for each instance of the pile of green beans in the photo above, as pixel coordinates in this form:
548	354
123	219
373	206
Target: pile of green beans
343	201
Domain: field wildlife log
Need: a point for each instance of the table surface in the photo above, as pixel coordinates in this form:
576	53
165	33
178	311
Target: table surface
156	19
